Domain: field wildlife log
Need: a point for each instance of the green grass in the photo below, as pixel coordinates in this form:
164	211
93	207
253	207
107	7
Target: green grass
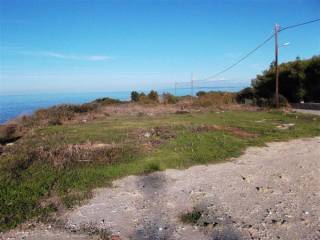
29	178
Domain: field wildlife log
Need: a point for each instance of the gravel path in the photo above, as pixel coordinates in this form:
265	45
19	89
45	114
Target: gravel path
268	193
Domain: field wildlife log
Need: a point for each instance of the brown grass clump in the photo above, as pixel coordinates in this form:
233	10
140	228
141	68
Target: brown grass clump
10	133
83	153
152	138
215	99
233	130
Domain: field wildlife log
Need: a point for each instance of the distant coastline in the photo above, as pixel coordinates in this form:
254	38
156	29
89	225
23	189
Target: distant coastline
14	105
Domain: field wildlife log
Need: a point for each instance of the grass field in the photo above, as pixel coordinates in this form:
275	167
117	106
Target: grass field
58	166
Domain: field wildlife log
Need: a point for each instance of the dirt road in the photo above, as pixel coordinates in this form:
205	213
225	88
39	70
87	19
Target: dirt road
268	193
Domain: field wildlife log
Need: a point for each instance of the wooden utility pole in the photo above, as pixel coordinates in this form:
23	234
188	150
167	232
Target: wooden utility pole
276	31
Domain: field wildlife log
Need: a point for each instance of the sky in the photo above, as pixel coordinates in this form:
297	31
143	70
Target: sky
82	45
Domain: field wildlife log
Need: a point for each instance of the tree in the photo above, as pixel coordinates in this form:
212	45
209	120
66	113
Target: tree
298	80
312	82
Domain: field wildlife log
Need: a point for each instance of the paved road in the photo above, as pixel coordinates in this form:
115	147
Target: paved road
315	112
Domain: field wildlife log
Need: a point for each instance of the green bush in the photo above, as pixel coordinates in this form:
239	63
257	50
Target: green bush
152	97
246	93
271	102
135	96
107	101
200	93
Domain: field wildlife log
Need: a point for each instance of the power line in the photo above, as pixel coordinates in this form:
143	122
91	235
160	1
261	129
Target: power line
256	48
241	59
299	24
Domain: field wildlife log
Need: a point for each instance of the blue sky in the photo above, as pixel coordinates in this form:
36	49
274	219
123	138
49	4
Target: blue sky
123	45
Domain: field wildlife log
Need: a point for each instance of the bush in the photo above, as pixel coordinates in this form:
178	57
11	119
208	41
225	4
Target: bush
200	93
54	121
153	95
246	93
142	98
271	102
215	98
168	98
58	113
135	96
191	217
107	101
283	102
8	133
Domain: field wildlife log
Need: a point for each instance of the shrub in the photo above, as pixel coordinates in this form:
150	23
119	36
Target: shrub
283	102
107	101
200	93
215	98
270	102
168	98
8	133
54	121
191	217
153	95
135	96
262	102
58	113
246	93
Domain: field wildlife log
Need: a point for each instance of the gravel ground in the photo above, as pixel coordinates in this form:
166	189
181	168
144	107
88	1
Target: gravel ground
271	192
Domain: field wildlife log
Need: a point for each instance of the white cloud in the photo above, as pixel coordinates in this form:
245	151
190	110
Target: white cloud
67	56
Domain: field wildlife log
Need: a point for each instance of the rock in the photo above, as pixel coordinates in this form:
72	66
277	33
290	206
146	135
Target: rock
147	134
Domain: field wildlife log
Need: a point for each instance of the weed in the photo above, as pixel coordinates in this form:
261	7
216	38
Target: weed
191	217
151	167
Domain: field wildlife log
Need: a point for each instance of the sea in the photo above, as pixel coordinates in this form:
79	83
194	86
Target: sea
15	105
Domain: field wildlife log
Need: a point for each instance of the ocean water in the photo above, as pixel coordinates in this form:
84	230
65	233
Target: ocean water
12	106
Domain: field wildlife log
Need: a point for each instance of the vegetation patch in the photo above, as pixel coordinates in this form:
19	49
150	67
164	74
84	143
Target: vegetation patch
58	166
300	81
206	99
233	130
191	217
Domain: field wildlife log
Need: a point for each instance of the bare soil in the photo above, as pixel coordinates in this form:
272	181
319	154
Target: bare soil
271	192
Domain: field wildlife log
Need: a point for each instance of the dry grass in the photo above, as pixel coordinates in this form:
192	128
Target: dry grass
215	99
233	130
